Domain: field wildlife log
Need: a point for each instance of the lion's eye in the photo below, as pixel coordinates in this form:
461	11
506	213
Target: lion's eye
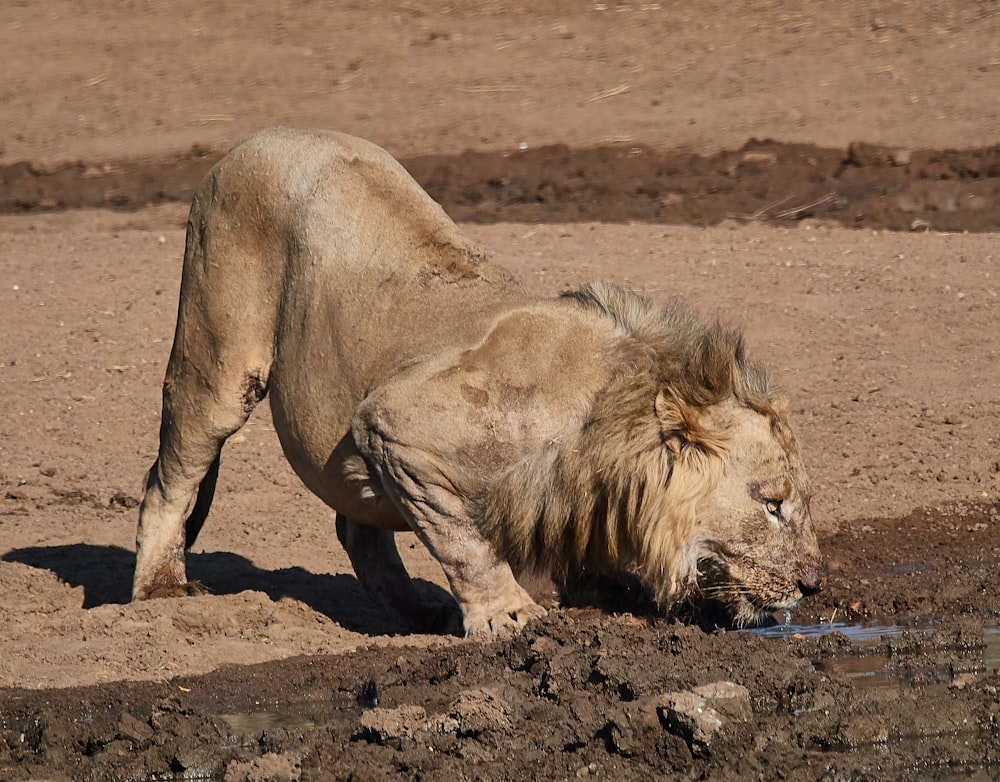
773	507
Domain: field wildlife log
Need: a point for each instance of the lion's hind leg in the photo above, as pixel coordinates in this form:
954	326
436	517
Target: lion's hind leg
378	567
202	408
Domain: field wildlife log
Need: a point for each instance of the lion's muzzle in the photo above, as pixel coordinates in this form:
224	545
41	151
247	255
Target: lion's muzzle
812	578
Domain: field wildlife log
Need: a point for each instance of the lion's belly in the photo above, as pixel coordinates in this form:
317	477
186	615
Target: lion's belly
314	431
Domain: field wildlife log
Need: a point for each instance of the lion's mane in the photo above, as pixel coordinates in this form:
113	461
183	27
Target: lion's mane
618	491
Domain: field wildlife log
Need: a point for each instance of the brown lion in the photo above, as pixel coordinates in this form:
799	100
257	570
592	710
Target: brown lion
415	386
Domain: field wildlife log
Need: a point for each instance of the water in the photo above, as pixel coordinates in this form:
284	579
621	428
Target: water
856	632
253	723
936	658
868	668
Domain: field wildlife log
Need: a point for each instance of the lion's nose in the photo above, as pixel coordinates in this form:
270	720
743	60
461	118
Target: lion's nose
811	581
808	588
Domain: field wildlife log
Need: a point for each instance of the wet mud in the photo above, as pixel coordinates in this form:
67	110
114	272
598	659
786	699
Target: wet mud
863	186
890	673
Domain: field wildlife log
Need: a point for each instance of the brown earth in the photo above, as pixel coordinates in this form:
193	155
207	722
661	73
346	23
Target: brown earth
579	141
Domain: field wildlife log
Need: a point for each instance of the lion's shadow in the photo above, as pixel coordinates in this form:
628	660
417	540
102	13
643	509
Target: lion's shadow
105	573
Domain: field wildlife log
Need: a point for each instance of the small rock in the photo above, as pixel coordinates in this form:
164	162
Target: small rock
195	763
690	716
697	716
381	725
270	767
480	710
868	155
133	729
732	699
122	500
962	680
445	725
759	156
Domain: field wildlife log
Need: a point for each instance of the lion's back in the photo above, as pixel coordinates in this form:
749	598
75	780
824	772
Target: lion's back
359	270
347	202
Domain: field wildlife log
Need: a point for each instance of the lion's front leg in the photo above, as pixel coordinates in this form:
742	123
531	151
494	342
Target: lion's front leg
416	480
378	567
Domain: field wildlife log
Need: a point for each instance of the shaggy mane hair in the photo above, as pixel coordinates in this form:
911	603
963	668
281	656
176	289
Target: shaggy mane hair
618	492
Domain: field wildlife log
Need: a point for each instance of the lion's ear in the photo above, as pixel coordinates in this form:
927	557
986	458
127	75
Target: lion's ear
682	425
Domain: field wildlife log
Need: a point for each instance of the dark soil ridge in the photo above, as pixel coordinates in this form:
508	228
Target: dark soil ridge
565	696
864	186
578	694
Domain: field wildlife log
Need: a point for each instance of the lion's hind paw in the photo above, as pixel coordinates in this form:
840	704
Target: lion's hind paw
186	589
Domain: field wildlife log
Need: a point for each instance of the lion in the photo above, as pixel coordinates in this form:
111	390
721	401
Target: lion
416	386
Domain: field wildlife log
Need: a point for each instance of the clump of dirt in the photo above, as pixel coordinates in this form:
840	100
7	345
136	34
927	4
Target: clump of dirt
865	185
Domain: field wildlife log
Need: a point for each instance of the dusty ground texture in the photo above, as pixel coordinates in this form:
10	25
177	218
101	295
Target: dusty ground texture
828	245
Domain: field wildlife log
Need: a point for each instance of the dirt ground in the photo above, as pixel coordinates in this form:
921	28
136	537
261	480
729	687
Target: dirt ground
826	176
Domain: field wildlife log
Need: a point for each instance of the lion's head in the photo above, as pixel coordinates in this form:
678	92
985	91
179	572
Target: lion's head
684	470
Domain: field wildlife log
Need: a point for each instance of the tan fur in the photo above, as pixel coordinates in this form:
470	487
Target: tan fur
415	386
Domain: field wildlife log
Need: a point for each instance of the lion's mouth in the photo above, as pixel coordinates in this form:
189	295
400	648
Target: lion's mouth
745	605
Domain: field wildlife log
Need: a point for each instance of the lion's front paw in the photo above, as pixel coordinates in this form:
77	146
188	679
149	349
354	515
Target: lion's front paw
486	624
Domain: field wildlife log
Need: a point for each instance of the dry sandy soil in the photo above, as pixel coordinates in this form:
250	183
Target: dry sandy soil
855	241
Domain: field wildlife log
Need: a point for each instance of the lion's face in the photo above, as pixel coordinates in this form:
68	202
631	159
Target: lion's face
757	549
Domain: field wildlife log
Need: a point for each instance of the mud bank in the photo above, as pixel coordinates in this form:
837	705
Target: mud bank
864	186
